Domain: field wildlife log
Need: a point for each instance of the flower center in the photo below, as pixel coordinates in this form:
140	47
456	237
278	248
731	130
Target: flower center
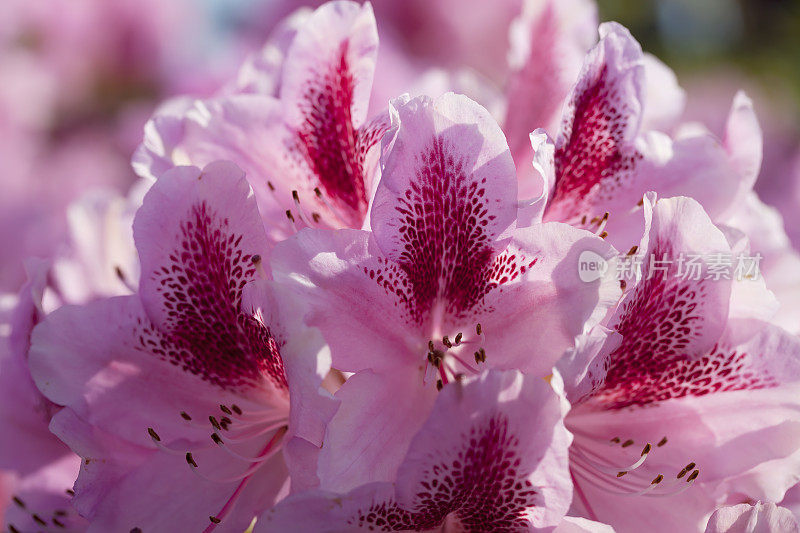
622	466
233	431
448	357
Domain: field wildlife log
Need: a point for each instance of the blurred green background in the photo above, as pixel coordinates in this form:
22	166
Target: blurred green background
700	37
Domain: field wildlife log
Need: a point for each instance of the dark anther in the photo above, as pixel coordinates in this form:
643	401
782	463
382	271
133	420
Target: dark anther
214	422
621	473
12	529
615	440
214	519
662	442
583	220
627	443
136	530
633	250
57	523
693	476
224	421
296	196
38	519
480	356
318	192
236	409
18	501
446	341
70	492
216	438
289	215
658	479
153	434
646	449
60	512
255	259
623	284
458	338
120	274
190	459
603	234
316	217
270	185
185	415
686	469
430	346
439	384
478	329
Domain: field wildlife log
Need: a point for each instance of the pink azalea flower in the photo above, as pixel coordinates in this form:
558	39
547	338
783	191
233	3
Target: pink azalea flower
604	158
310	152
747	518
43	469
492	456
674	409
196	368
40	469
444	284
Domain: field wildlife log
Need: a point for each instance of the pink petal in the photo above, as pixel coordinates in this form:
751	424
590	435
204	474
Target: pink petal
540	300
122	487
572	524
747	518
540	183
353	295
668	317
743	140
200	241
665	98
326	87
337	44
447	197
595	149
369	435
484	461
493	452
261	73
730	426
110	378
318	511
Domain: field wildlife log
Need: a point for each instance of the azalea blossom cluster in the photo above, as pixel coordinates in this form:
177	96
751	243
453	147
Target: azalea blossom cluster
344	300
